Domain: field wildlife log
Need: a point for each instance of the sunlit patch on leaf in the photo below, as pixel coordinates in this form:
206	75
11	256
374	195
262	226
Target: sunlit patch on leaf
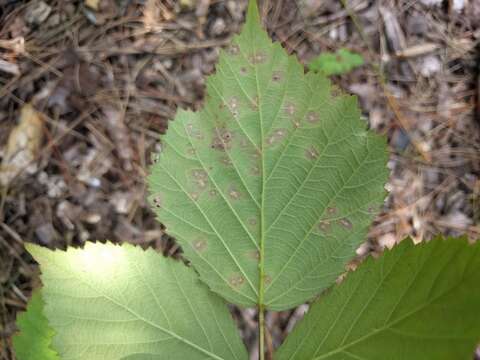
108	302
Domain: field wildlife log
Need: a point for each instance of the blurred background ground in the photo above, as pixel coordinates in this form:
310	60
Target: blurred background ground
86	87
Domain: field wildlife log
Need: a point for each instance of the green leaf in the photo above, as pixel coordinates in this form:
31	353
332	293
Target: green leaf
111	302
415	302
272	185
35	337
338	63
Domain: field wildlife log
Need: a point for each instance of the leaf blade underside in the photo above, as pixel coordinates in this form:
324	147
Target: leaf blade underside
274	176
112	302
415	302
33	342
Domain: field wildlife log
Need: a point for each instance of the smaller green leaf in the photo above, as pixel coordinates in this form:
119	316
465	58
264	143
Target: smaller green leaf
415	302
35	337
108	302
338	63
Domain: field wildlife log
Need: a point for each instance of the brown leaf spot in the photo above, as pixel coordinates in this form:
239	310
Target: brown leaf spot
372	209
267	279
258	58
324	226
191	151
313	117
255	255
255	171
243	70
213	193
155	158
252	221
233	102
311	153
222	140
225	160
236	280
194	196
200	178
290	109
157	201
200	245
193	132
234	49
277	76
233	192
276	136
347	224
331	210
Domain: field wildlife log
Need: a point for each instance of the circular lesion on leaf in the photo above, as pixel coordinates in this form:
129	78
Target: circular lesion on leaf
276	136
324	226
258	58
233	192
312	153
200	178
234	49
236	280
267	279
290	108
277	76
157	201
254	255
331	210
222	139
313	117
345	223
199	244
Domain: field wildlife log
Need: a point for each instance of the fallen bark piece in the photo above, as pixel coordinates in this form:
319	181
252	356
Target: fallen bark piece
23	145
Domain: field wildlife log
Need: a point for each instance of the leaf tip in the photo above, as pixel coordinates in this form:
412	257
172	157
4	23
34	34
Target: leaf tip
253	16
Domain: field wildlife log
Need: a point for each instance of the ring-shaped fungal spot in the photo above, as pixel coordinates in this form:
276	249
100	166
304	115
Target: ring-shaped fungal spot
276	136
193	132
254	255
225	160
277	76
155	158
345	223
255	170
290	109
199	245
312	153
313	117
331	210
157	201
324	226
234	49
373	209
258	58
233	102
267	279
194	196
233	192
236	280
200	178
